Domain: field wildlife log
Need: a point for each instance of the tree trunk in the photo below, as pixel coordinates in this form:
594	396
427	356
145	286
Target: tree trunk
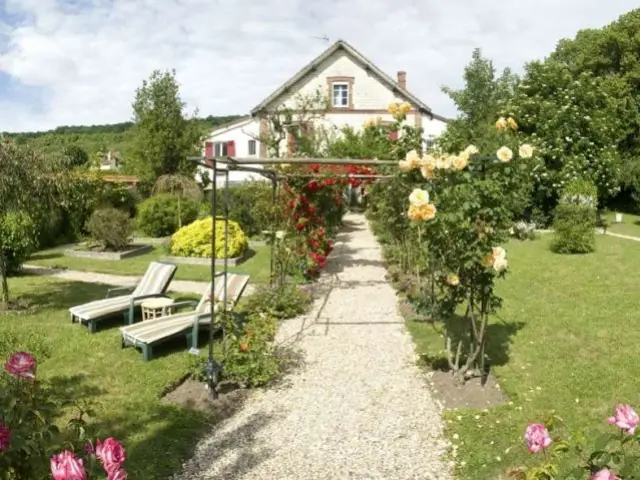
179	213
3	273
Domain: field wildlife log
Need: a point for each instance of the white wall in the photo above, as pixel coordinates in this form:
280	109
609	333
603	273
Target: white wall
241	133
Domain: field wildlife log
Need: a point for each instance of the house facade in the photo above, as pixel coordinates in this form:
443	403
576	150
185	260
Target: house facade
350	90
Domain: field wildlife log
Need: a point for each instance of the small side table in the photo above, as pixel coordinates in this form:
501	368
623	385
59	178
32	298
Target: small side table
156	307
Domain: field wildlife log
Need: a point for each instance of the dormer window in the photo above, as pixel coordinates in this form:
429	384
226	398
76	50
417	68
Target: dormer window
341	92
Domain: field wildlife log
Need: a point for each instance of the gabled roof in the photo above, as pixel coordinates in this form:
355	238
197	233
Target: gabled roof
354	54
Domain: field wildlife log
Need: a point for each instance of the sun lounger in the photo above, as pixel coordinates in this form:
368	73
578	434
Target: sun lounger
153	284
150	333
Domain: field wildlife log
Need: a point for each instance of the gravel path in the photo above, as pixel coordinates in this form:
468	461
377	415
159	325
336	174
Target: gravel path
358	408
180	286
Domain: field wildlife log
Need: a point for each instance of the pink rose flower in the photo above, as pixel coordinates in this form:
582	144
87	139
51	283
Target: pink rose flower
111	452
625	418
21	364
117	474
5	437
604	474
65	466
537	437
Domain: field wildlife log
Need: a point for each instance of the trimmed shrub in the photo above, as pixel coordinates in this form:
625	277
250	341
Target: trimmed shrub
250	204
111	228
19	240
575	219
195	240
158	215
121	197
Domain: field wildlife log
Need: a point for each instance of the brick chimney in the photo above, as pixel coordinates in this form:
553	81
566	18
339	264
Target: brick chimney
402	80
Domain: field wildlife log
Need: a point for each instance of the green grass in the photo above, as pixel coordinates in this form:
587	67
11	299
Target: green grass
257	266
565	340
630	224
123	389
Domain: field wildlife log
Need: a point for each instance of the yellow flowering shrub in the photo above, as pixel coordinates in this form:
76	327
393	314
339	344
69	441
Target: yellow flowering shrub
194	240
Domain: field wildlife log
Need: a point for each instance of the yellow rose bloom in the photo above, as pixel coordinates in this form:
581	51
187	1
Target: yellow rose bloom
405	165
429	211
414	214
512	124
419	197
453	280
427	160
499	252
369	122
440	163
501	124
487	260
471	150
500	264
460	162
393	108
428	171
405	107
525	151
413	158
504	154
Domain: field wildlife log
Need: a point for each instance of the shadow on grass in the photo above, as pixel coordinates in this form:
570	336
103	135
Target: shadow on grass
46	255
497	348
60	294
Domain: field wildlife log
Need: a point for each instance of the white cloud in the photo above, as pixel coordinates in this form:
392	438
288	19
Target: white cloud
86	57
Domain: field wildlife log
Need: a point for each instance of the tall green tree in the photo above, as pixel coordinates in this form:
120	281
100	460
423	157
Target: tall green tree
163	133
30	185
482	99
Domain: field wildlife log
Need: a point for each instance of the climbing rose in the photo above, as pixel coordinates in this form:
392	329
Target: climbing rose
537	437
111	452
604	474
504	154
21	364
65	466
525	151
625	418
5	437
419	197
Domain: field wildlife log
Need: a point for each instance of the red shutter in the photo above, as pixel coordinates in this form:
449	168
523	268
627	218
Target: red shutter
231	148
208	149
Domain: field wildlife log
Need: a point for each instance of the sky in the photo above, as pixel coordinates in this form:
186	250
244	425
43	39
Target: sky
79	62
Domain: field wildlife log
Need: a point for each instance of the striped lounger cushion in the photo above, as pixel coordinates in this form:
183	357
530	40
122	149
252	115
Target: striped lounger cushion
155	281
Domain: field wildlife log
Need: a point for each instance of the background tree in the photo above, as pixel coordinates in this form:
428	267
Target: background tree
75	156
163	135
480	102
29	185
180	186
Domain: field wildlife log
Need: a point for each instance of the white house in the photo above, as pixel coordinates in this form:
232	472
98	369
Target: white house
357	91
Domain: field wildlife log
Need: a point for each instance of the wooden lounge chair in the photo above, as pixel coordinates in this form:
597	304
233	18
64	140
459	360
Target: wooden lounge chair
153	284
150	333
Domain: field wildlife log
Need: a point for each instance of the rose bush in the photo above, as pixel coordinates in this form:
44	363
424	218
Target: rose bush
612	456
31	444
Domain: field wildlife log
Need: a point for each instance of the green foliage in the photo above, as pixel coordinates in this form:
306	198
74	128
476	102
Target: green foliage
111	228
158	216
17	340
119	196
163	135
575	219
75	156
194	240
282	301
250	204
480	103
18	240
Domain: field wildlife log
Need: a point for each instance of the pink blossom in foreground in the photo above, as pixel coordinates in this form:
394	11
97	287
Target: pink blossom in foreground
537	437
21	364
5	437
625	418
65	466
111	452
604	474
117	474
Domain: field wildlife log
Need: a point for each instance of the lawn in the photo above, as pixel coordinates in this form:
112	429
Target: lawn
257	266
630	224
123	389
569	327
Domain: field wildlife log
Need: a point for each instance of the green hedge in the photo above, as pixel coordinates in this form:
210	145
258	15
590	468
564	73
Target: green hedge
575	219
162	215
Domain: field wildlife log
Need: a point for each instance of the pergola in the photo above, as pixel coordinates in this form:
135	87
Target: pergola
233	163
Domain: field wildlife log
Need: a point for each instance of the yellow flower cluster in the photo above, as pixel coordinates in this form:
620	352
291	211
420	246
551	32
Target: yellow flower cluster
420	209
428	164
399	109
496	259
505	154
506	123
453	280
